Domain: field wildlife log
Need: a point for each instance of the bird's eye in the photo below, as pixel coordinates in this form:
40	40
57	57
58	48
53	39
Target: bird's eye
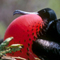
44	11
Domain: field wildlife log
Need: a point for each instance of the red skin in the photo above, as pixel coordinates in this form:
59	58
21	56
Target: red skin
24	29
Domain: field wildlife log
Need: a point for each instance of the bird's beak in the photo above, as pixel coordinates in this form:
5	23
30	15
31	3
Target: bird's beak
23	12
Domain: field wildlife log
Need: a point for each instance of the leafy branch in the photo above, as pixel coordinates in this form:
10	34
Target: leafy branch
8	49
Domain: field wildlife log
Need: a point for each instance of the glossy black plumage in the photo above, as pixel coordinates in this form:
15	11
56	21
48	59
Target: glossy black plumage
47	50
50	37
48	14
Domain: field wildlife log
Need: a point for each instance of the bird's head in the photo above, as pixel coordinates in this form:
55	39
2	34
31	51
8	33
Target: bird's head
45	13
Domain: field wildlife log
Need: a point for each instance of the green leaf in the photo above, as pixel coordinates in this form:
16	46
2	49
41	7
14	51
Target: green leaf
5	43
12	48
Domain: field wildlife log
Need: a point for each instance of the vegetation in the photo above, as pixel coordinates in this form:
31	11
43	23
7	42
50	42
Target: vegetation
4	48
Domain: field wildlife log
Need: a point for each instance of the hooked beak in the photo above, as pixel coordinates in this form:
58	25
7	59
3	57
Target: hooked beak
23	12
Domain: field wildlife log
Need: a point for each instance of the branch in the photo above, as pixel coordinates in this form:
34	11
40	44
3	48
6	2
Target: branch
14	47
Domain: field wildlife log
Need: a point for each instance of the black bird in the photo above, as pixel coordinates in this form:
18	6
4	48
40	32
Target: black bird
47	47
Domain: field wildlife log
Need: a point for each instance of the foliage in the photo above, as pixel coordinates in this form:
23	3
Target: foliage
8	49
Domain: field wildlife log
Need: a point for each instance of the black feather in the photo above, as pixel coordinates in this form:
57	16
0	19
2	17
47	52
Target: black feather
47	46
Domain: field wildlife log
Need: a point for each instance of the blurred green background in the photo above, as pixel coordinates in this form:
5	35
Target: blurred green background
7	8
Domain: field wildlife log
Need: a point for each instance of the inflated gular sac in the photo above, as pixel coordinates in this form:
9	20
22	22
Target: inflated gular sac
24	29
